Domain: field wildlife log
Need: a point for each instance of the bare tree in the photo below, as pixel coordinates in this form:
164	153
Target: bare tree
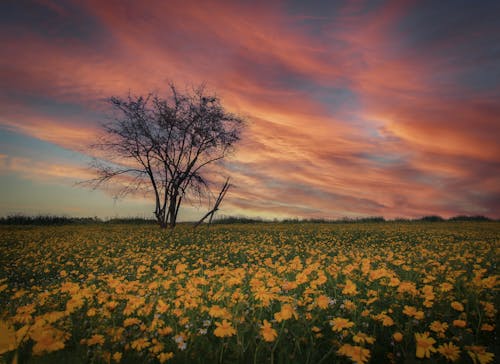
163	145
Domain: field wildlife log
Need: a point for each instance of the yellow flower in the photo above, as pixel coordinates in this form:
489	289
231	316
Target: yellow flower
408	287
457	306
323	301
412	312
449	351
459	323
339	324
385	319
74	303
487	327
219	312
91	312
397	336
163	357
424	345
157	346
96	339
350	288
180	267
286	313
117	357
111	305
131	321
165	331
439	327
446	287
7	338
140	344
264	296
288	286
358	354
361	338
479	354
349	305
268	333
48	339
428	293
161	306
224	329
489	309
489	282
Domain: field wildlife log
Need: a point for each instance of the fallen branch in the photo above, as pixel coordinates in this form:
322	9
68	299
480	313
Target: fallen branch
212	212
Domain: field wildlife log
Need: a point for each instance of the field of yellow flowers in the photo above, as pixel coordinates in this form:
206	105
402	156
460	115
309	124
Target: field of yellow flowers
261	293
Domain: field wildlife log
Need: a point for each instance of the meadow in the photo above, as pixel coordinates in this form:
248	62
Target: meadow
255	293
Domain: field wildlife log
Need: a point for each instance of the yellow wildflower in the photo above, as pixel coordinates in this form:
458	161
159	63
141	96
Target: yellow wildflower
446	287
47	338
286	313
140	344
161	306
323	301
449	351
339	324
117	357
167	330
459	323
412	312
350	288
131	321
7	338
397	336
268	333
224	329
219	312
487	327
438	326
96	339
424	345
358	354
163	357
362	338
180	267
387	320
457	306
479	354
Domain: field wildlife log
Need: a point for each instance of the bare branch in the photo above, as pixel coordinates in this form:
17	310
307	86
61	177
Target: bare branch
212	212
161	145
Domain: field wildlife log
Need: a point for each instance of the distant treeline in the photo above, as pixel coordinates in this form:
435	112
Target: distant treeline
370	219
66	220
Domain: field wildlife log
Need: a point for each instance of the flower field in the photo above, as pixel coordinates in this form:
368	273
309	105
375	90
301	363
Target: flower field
261	293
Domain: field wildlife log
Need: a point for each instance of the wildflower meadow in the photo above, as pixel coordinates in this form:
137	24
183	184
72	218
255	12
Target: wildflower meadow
390	292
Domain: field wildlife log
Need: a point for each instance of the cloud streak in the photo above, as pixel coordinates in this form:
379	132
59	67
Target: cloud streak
359	108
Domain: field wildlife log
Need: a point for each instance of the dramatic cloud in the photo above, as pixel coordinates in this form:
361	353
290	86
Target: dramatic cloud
355	108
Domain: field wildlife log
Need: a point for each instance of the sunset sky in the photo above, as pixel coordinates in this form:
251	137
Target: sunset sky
354	108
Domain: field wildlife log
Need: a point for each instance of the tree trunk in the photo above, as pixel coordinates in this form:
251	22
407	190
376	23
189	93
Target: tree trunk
160	217
172	209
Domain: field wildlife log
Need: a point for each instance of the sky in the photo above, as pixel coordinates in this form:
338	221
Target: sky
353	108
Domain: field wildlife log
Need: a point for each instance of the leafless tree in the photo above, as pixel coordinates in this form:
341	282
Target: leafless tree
163	146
